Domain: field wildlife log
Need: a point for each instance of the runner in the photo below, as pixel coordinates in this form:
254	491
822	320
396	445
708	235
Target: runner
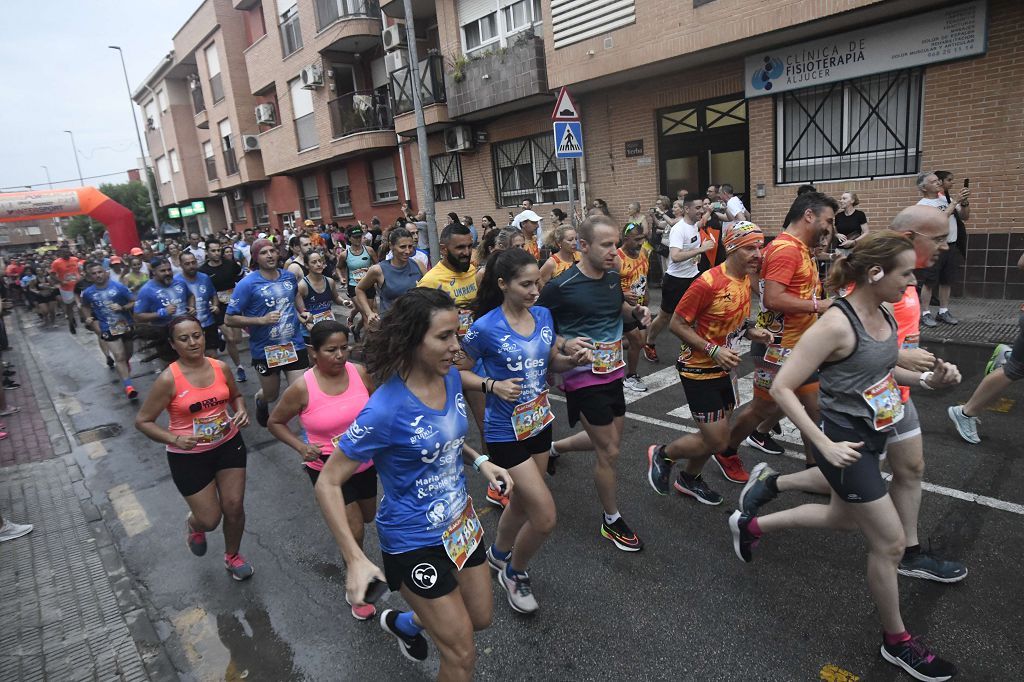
561	242
927	229
789	306
357	260
204	299
392	277
634	266
264	301
110	303
135	277
855	350
586	301
225	273
513	342
205	449
162	297
414	429
326	400
505	238
316	297
299	248
39	284
67	269
710	319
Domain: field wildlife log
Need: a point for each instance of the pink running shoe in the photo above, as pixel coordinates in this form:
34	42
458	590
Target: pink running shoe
195	540
238	567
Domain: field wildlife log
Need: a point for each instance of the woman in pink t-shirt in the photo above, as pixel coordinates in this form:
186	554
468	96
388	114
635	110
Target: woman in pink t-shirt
327	400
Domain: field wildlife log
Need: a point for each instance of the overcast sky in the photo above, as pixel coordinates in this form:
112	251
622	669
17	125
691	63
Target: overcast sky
58	74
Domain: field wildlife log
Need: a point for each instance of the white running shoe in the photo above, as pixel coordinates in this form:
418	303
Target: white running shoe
11	530
635	384
966	425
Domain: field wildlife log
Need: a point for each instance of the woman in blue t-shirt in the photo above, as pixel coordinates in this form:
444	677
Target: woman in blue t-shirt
414	429
515	344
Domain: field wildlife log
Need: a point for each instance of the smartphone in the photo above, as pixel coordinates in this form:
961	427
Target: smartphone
967	182
375	590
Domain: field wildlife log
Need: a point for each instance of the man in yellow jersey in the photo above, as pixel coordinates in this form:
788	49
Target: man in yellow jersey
634	264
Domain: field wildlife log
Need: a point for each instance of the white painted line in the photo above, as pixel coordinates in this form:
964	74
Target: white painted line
658	381
983	500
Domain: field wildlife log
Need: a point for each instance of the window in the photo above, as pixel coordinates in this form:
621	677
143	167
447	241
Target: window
527	169
310	197
175	166
161	99
227	147
259	207
341	200
329	11
863	128
521	15
152	117
291	33
163	170
446	172
385	184
211	163
239	204
481	32
213	67
302	113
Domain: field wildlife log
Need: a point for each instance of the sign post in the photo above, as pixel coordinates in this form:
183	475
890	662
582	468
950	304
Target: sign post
568	139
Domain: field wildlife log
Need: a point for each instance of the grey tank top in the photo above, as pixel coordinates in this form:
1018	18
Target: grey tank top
859	390
397	281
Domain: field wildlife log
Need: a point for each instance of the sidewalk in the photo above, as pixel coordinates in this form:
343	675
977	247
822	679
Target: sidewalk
62	617
983	322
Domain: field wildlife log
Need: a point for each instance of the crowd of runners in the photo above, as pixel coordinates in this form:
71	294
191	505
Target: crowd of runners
378	401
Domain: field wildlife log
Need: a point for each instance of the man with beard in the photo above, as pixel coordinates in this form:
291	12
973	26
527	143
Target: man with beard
205	296
299	246
162	298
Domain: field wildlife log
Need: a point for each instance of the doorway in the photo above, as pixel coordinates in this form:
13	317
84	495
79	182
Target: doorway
703	143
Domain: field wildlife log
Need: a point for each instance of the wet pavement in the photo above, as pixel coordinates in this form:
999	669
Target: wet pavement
684	608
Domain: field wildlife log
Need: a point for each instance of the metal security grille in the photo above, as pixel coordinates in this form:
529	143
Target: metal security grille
576	20
446	171
527	169
863	128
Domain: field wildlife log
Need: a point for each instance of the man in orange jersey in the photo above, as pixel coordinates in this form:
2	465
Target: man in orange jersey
634	264
789	306
68	270
710	318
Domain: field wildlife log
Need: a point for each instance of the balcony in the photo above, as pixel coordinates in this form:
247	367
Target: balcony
498	82
347	25
359	112
432	93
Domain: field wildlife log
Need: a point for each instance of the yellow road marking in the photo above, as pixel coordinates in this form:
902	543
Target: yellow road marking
833	673
129	512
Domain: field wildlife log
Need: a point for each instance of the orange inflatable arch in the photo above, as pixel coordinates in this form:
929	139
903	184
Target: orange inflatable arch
62	203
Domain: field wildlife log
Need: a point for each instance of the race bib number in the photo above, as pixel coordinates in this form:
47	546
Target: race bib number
463	535
282	354
607	356
224	296
764	376
118	328
321	317
358	274
211	429
911	342
465	321
530	418
885	402
776	354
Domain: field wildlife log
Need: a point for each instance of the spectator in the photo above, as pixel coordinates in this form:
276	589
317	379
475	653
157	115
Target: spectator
468	222
195	248
734	208
851	224
944	271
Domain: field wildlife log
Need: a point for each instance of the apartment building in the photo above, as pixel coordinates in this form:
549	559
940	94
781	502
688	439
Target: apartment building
852	95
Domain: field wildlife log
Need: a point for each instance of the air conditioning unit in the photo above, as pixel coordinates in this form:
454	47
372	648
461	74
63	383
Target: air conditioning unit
265	114
393	61
312	77
458	139
250	143
394	37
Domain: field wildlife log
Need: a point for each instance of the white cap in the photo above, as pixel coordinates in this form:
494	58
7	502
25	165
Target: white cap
263	235
526	215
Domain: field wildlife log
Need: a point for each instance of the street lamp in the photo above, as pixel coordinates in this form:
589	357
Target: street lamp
138	135
81	180
48	181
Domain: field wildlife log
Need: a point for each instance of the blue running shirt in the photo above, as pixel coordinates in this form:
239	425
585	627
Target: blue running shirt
507	355
99	301
202	288
256	296
153	297
418	455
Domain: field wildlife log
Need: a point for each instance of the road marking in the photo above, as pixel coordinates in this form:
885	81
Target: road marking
833	673
129	512
95	450
658	381
983	500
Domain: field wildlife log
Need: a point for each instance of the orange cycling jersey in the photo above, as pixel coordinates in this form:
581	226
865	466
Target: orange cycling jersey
67	273
788	261
633	274
561	265
532	247
717	305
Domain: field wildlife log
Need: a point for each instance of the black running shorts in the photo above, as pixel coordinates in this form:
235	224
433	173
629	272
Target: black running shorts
600	404
513	453
360	486
427	571
191	472
861	481
710	400
672	290
300	364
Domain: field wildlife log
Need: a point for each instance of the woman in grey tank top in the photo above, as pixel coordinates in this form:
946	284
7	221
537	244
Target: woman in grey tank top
854	347
391	278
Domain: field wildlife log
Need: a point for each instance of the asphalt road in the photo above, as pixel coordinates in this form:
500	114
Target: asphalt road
684	608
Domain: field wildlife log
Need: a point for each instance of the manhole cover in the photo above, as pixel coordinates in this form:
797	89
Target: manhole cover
98	433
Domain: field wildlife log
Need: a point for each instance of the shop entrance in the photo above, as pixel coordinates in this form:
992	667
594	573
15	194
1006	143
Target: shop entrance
703	143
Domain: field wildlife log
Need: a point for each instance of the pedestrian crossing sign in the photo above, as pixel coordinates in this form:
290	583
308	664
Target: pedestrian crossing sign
568	139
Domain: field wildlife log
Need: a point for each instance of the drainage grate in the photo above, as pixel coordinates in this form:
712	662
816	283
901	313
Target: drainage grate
972	331
98	433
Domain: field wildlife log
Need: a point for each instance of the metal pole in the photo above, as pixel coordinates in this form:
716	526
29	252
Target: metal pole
48	181
74	148
138	135
426	181
572	200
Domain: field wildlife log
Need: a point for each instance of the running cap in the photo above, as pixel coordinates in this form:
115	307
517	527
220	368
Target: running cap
526	215
355	231
743	233
309	223
115	260
136	251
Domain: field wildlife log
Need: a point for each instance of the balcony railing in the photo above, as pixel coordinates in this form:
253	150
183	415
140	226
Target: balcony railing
329	11
431	84
305	131
359	112
211	168
230	162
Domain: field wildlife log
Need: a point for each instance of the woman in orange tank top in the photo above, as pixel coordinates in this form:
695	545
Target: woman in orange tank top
205	450
561	242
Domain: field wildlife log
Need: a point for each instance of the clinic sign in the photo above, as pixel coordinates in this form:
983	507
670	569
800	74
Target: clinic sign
926	38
